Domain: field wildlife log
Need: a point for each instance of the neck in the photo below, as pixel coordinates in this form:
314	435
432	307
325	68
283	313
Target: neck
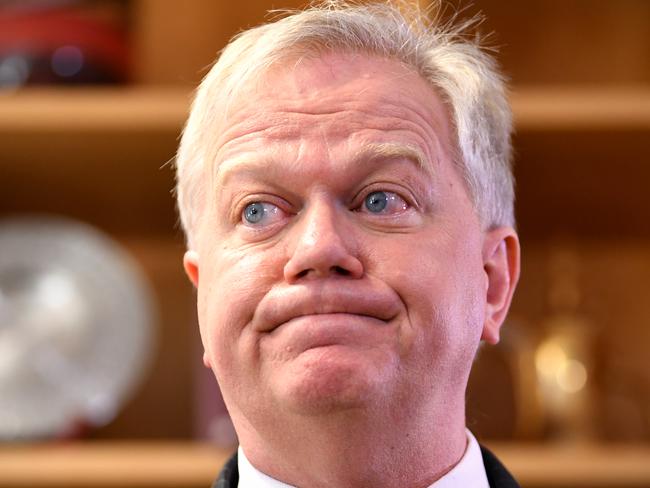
356	449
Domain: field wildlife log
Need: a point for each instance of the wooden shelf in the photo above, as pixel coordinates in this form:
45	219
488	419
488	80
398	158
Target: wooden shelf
110	464
581	108
138	464
165	109
576	466
94	109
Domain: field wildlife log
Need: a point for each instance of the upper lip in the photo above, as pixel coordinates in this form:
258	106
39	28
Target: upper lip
283	304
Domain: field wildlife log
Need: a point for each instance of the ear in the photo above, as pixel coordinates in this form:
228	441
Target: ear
501	265
191	265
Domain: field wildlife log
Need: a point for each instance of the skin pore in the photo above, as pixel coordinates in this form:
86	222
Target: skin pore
344	279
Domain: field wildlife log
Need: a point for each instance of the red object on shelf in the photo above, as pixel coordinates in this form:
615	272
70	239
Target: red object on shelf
97	45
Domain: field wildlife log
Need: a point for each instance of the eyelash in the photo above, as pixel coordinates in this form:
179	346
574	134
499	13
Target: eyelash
263	199
393	198
388	188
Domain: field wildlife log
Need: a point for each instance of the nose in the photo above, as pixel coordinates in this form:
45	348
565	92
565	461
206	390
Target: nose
321	247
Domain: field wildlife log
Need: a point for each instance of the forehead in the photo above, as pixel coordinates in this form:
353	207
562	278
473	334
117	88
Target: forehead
314	75
341	97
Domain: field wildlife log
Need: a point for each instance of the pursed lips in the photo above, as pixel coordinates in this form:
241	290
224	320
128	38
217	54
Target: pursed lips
282	305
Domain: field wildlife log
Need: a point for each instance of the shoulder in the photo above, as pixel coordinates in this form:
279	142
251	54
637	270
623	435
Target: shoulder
497	475
229	475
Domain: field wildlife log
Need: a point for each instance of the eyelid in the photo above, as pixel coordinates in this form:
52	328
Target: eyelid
388	211
270	219
244	202
386	187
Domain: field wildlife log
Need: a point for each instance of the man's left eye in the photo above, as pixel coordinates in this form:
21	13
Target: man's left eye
384	202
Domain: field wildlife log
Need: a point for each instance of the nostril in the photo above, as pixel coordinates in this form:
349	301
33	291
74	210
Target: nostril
341	271
303	273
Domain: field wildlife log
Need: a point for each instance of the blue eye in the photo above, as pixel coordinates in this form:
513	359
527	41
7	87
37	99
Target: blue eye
376	202
384	202
261	213
254	212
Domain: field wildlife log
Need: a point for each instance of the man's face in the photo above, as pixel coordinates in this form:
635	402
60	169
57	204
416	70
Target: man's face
340	263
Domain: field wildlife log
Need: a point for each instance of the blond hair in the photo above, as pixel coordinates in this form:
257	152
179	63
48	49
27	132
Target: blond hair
453	62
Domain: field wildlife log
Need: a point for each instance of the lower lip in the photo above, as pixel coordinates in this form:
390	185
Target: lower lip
320	330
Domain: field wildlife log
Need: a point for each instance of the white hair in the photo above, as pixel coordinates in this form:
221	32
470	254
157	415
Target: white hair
453	62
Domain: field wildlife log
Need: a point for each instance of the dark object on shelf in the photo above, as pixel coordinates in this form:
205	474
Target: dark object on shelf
63	43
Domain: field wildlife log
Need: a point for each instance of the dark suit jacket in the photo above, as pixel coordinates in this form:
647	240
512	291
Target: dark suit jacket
497	475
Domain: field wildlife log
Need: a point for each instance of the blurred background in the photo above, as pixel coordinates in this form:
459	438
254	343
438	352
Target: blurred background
93	95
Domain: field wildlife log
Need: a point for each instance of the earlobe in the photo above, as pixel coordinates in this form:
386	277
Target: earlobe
206	361
191	266
501	265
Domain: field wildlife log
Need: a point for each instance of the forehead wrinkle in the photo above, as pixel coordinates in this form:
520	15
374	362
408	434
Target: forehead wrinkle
369	153
278	117
282	126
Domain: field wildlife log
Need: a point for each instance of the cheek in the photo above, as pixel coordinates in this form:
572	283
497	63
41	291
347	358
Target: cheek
440	282
231	286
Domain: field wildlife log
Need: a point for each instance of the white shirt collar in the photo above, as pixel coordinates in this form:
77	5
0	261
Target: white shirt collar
251	477
469	472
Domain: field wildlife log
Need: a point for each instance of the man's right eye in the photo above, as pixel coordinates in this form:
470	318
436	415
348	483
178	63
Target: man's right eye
260	213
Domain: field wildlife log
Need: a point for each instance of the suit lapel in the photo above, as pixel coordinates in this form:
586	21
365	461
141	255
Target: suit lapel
497	475
229	475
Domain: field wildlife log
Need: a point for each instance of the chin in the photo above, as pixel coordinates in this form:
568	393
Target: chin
330	379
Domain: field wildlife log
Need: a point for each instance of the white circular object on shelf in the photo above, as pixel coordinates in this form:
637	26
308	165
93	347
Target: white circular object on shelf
76	326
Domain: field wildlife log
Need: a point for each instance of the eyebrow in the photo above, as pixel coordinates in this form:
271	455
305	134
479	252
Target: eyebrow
369	152
392	150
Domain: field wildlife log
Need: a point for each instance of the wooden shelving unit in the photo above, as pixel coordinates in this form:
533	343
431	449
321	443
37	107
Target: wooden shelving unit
99	154
189	465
